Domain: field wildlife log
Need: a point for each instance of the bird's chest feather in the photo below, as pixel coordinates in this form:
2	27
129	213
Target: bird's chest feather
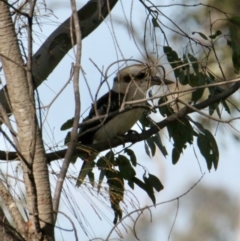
118	125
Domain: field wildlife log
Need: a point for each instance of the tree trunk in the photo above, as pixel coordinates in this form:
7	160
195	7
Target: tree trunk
31	150
59	42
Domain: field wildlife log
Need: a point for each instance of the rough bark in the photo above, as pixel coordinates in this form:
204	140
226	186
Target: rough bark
12	208
40	225
59	42
17	98
133	138
7	232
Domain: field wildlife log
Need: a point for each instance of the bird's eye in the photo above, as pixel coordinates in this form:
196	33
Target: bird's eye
127	78
140	75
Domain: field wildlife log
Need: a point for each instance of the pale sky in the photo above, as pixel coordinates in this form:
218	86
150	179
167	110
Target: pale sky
176	178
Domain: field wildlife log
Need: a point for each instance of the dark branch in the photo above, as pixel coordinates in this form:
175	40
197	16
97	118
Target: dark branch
133	138
59	43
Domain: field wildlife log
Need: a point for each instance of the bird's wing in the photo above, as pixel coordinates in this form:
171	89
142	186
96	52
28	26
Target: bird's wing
108	103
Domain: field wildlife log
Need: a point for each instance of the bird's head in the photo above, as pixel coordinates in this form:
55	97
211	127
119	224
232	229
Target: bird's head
136	79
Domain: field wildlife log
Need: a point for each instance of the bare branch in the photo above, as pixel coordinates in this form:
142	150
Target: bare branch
12	208
31	145
74	135
145	134
58	43
154	206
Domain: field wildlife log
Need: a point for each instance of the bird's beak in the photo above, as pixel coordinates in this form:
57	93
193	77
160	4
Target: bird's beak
155	80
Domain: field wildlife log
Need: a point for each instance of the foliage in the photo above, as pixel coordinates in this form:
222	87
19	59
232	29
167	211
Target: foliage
202	86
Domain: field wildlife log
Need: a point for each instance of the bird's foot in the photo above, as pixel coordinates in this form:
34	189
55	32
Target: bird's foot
136	135
128	133
121	139
132	132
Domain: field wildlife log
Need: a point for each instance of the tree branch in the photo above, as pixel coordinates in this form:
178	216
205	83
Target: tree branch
133	137
59	43
74	132
12	207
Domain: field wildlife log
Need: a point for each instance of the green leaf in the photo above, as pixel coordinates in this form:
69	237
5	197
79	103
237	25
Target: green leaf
148	189
110	157
91	177
208	148
218	112
157	140
106	161
217	33
175	155
213	92
181	132
155	182
164	110
173	60
183	78
184	75
229	43
186	63
204	149
226	107
236	20
201	34
197	94
67	138
116	192
234	32
214	148
67	125
132	156
147	149
145	121
131	184
102	163
213	107
192	79
152	146
198	125
200	80
194	63
236	59
85	170
100	179
212	78
125	168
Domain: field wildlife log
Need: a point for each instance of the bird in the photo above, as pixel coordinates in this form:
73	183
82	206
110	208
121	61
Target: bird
128	99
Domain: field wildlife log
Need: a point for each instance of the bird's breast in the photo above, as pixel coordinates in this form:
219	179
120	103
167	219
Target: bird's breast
118	125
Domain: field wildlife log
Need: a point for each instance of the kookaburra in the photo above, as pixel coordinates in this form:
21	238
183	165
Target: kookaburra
129	85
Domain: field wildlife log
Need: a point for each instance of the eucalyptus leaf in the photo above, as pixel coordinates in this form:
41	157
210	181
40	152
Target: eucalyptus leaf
132	156
201	34
67	125
208	148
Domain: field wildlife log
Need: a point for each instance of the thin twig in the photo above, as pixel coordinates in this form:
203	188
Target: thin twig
57	95
74	136
73	225
153	206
